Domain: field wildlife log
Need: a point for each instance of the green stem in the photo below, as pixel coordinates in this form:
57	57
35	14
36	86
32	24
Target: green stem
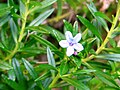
20	36
54	81
23	28
107	37
56	19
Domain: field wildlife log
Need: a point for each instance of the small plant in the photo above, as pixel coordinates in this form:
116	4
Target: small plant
81	58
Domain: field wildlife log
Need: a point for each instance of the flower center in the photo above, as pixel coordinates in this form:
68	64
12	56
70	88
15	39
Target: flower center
71	44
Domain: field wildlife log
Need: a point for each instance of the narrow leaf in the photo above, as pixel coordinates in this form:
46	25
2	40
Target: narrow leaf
68	26
63	68
18	73
106	79
102	15
32	72
115	50
38	29
51	60
42	5
59	7
50	57
46	67
87	71
75	28
22	8
47	43
100	20
5	65
76	83
90	26
4	19
114	57
11	83
37	21
17	70
13	30
4	11
30	68
44	42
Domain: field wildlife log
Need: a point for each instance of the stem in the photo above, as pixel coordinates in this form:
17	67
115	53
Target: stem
23	28
54	81
107	37
56	19
20	36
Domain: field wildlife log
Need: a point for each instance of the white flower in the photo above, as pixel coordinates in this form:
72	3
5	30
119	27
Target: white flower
71	43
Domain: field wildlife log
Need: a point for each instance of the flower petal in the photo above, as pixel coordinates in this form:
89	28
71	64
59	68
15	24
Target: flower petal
68	36
70	51
64	43
78	47
77	38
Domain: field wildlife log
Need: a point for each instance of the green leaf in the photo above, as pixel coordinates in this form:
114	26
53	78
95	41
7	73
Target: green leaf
11	74
5	65
107	79
114	57
47	30
50	57
47	44
10	2
32	50
43	4
75	28
47	3
37	21
14	15
100	20
76	83
14	30
32	72
38	29
11	83
115	50
30	68
63	85
100	65
51	60
77	61
34	3
46	67
87	71
22	8
59	7
102	15
46	83
109	88
18	73
90	26
44	76
112	42
44	42
89	44
3	5
4	19
68	26
64	67
5	10
17	70
55	33
71	3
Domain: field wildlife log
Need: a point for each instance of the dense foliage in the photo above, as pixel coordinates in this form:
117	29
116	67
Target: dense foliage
28	33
